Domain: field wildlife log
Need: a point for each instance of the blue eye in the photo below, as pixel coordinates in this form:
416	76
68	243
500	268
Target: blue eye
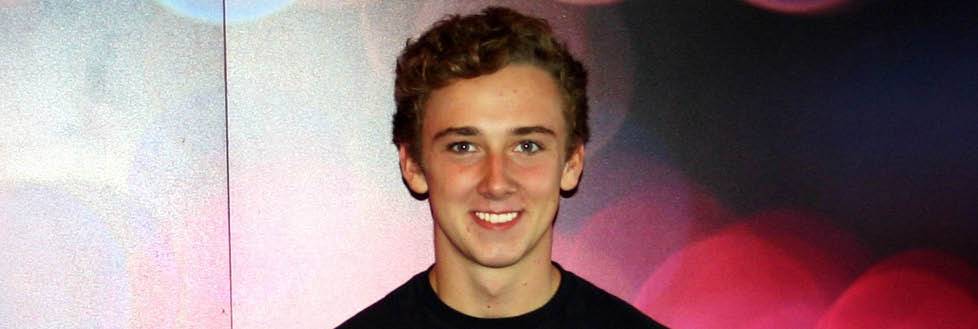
461	147
528	147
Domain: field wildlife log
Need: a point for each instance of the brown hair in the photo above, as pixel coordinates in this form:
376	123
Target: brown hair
463	47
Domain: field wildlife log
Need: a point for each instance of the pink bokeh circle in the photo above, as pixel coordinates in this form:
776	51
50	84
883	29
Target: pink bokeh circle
801	7
915	289
777	269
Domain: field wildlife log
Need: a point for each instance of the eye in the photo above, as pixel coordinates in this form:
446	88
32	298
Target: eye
461	147
528	147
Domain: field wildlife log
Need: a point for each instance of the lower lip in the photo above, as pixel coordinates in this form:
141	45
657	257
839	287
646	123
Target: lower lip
497	226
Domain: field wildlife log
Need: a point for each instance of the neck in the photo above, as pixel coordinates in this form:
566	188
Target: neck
490	292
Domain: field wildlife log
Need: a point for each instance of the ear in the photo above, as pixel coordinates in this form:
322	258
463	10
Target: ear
573	168
412	172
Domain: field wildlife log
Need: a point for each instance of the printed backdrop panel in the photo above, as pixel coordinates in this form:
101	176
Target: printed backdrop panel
112	167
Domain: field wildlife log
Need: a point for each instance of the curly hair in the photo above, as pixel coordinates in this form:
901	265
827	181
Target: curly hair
464	47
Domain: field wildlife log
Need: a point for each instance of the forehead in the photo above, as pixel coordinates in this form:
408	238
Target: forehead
518	94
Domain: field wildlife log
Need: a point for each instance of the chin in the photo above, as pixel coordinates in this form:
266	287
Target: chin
497	261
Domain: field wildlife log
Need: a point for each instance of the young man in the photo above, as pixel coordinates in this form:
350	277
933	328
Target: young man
490	126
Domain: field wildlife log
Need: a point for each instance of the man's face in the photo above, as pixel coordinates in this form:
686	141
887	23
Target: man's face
494	158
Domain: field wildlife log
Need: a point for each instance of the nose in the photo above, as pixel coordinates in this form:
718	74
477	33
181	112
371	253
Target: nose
496	181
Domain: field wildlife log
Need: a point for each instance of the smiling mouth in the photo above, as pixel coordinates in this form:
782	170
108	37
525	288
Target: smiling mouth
495	218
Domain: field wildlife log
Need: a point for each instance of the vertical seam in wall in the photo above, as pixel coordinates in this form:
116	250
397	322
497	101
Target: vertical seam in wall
227	159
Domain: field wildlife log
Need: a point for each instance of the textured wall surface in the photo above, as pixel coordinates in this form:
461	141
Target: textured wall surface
755	164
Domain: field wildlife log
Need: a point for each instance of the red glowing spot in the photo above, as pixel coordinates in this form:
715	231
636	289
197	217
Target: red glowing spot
775	270
917	289
801	7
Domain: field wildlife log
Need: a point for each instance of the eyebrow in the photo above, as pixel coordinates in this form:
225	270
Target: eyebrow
462	131
521	131
472	131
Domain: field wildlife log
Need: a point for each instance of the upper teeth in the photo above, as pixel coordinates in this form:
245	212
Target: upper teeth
496	218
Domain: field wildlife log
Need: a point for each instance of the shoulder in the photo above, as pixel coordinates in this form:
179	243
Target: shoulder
390	311
599	309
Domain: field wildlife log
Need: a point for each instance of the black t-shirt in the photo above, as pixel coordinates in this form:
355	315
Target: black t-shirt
577	304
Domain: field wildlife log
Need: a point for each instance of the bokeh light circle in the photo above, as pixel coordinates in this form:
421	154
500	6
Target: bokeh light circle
777	269
213	11
914	289
647	227
801	7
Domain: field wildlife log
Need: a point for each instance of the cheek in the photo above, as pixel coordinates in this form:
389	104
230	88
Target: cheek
452	179
540	177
